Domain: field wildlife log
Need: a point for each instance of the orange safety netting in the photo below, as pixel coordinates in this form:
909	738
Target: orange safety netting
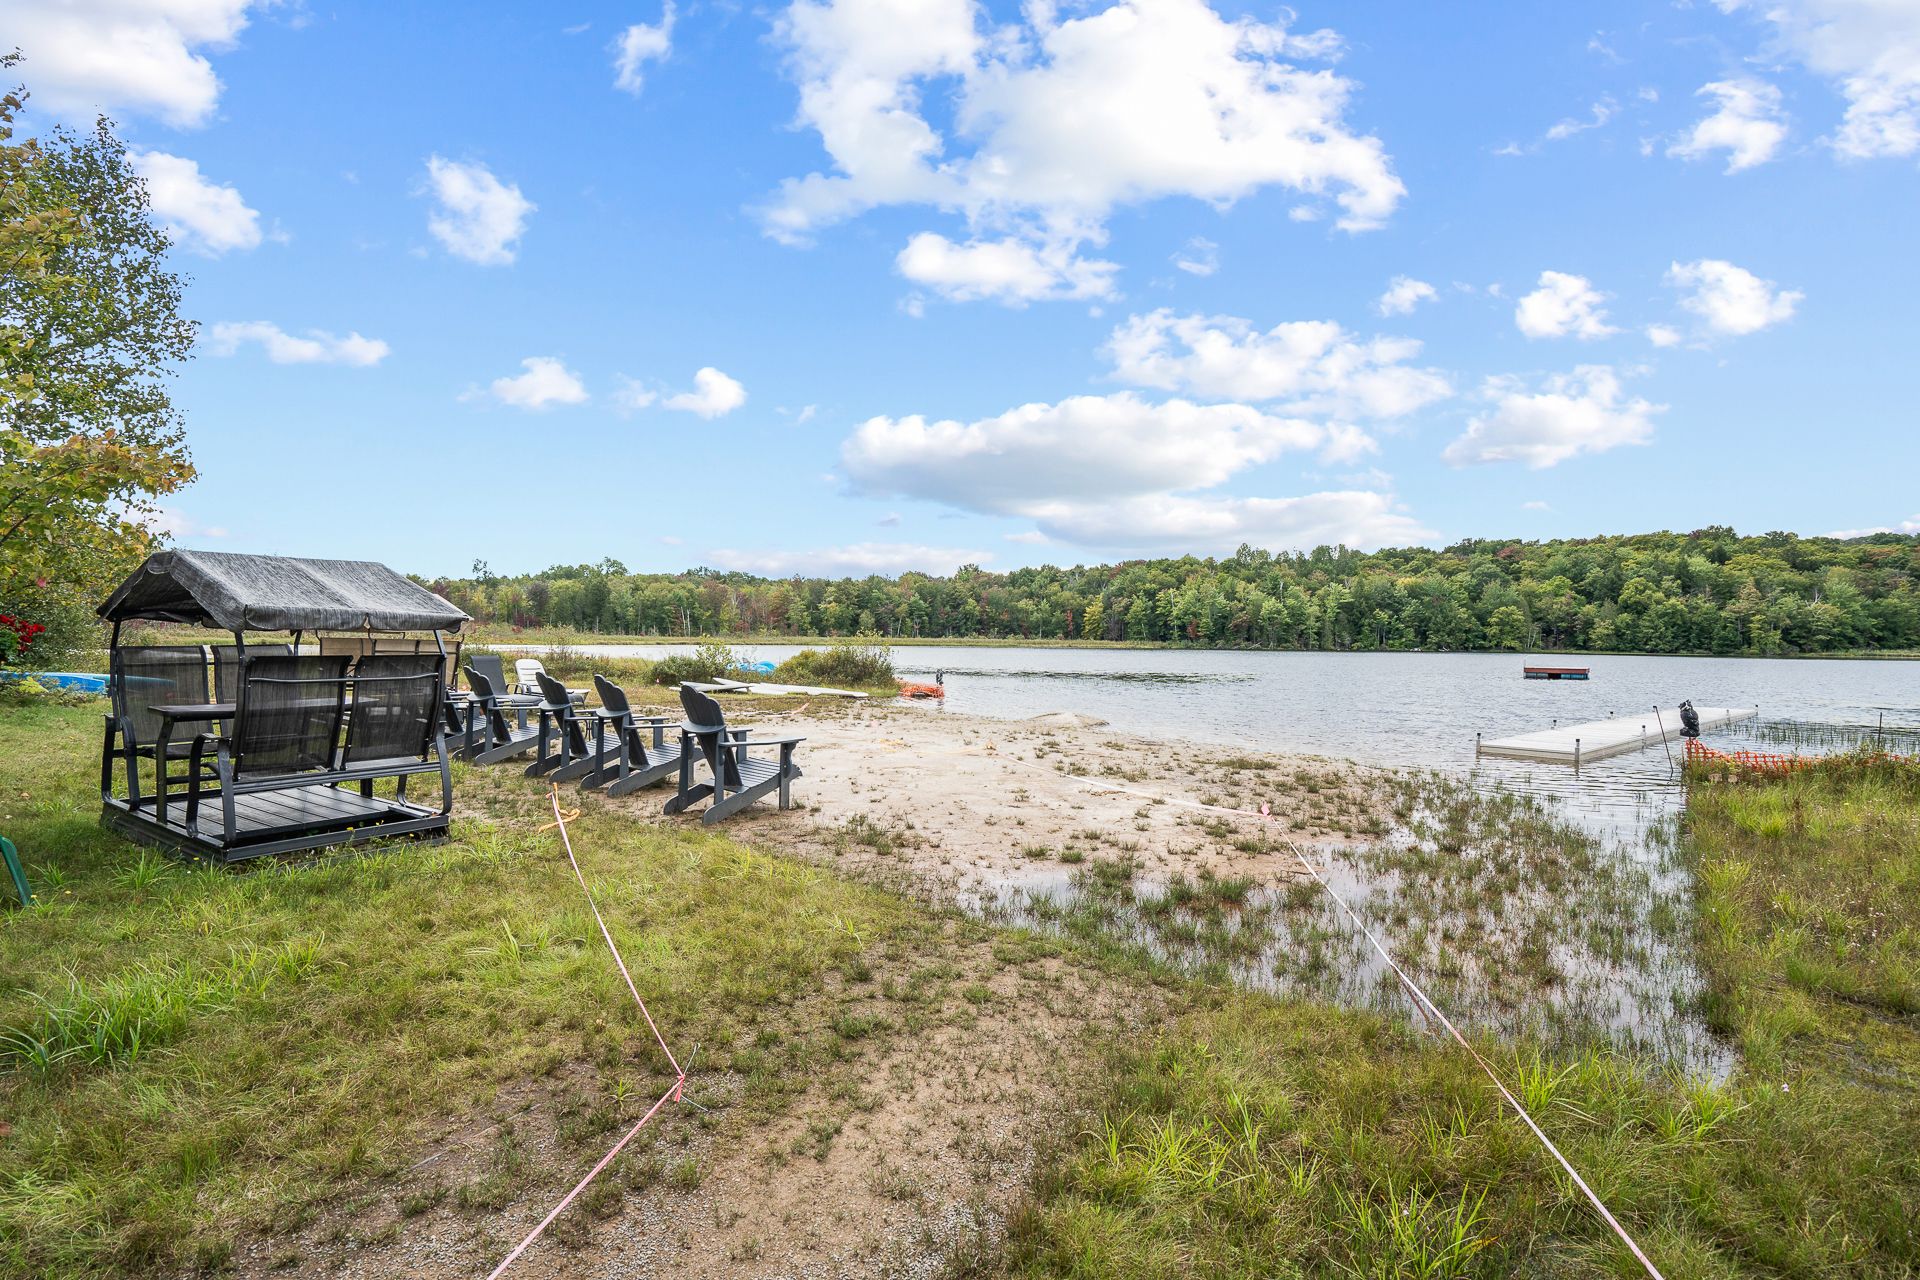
1700	753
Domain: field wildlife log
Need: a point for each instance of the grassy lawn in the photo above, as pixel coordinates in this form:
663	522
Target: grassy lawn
192	1057
187	1054
1258	1139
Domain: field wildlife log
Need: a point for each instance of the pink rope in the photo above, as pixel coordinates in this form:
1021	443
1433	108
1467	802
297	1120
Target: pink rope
673	1090
554	796
593	1173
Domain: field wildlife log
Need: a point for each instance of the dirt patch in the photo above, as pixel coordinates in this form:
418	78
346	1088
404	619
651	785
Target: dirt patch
944	1078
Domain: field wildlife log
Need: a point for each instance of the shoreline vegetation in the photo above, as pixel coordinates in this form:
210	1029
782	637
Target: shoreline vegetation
1710	591
496	637
398	1061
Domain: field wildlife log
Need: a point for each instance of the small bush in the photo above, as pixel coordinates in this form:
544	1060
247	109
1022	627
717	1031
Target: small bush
708	662
840	664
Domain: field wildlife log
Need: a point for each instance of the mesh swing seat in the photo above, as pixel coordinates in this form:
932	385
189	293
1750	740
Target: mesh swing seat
738	778
308	742
260	749
142	678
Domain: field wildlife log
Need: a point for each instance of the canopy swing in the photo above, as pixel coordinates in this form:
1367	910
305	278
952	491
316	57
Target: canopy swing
259	748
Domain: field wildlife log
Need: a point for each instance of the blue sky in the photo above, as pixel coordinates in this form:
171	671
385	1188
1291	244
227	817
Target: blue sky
847	286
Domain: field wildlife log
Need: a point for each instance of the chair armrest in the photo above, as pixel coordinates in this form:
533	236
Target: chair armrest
764	742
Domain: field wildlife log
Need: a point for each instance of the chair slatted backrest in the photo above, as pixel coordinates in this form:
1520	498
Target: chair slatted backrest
705	713
288	720
612	696
490	666
527	672
156	675
553	691
396	703
226	666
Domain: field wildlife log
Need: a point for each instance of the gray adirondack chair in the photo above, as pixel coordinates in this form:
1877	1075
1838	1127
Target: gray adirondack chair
626	755
564	725
490	735
738	779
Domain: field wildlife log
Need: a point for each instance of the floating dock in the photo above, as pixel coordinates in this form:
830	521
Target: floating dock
1555	673
1578	744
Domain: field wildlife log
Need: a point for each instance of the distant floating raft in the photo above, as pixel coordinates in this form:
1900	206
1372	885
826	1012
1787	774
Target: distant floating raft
1556	673
1598	739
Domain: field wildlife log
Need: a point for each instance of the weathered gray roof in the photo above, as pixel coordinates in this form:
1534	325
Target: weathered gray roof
277	593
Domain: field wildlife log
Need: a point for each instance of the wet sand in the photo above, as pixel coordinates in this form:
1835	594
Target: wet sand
964	804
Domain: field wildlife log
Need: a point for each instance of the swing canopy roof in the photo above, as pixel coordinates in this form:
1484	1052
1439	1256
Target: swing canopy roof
277	593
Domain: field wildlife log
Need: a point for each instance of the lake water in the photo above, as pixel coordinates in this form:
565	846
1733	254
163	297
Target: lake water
1422	711
1407	709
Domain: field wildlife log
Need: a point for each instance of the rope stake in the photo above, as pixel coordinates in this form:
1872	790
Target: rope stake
674	1091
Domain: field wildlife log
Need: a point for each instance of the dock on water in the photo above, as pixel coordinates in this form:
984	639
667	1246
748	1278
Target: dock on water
1578	744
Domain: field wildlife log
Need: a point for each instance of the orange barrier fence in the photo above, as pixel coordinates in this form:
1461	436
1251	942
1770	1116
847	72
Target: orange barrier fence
1752	761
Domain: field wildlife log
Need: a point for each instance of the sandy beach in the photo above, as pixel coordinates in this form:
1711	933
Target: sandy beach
958	804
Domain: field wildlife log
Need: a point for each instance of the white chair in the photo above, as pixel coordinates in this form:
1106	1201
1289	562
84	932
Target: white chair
526	676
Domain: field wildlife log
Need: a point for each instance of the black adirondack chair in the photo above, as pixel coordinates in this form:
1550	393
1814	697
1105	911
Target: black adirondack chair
626	755
565	726
490	735
142	678
738	779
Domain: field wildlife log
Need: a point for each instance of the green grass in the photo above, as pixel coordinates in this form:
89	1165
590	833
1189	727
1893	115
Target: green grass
187	1055
1262	1138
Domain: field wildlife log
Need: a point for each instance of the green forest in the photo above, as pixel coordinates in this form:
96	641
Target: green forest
1709	591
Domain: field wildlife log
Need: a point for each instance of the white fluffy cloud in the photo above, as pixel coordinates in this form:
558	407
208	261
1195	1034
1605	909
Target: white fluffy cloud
1358	518
1011	271
1056	122
1563	305
1663	335
888	559
714	395
1083	448
197	212
478	218
1731	301
1870	49
1747	123
1403	294
316	346
546	382
89	56
1311	366
1586	411
638	45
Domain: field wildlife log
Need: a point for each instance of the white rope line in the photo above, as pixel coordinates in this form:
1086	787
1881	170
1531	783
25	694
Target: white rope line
1423	1003
1434	1010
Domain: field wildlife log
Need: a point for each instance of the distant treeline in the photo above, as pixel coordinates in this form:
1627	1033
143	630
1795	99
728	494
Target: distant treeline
1710	591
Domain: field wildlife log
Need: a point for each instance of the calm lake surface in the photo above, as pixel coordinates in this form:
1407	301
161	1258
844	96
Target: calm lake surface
1409	709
